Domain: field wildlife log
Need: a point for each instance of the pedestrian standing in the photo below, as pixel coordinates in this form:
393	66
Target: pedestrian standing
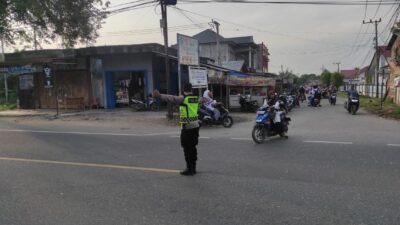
188	118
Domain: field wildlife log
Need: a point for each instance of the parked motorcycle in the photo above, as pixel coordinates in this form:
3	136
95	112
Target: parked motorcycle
246	104
265	126
206	117
332	99
291	102
139	105
352	104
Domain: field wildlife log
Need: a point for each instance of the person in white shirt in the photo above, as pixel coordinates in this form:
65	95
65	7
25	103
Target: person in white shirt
210	104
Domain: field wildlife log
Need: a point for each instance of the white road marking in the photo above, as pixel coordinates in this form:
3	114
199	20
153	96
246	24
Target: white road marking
242	139
393	145
65	163
330	142
86	133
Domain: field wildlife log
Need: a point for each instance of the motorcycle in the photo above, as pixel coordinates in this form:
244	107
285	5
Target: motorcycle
332	99
139	105
246	104
290	101
206	117
352	104
265	126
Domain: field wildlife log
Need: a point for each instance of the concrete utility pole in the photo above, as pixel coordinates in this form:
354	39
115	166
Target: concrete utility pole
338	68
377	53
164	26
218	57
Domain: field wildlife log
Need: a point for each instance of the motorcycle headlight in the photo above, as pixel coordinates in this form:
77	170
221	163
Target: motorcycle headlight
354	100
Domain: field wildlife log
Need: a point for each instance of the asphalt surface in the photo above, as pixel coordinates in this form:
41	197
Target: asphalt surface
335	168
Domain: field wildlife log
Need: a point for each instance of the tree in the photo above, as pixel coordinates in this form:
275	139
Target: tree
72	20
337	79
326	78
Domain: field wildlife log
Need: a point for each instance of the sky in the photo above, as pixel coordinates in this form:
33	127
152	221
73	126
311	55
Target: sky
301	38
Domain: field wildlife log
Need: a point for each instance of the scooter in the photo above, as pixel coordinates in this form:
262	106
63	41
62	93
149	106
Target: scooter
352	105
332	99
139	105
206	117
246	104
265	126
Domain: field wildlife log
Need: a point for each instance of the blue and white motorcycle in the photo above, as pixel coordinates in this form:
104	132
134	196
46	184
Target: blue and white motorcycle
265	125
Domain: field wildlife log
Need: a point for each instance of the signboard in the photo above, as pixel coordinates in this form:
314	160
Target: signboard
188	50
48	76
17	70
238	79
198	77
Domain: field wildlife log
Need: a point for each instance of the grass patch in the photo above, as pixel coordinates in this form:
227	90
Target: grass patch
7	106
373	105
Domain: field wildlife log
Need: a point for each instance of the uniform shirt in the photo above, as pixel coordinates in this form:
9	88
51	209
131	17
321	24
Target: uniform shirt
177	100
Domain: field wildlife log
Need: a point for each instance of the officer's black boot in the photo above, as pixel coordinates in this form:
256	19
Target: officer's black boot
188	171
194	168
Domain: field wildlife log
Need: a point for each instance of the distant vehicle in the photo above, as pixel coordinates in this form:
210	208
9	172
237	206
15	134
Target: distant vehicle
139	105
246	104
332	99
353	103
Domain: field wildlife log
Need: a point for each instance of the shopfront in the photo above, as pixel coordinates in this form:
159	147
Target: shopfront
244	84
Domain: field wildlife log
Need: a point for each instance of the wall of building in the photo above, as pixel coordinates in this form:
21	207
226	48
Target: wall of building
227	53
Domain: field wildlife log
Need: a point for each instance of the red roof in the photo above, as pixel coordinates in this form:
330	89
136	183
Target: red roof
349	74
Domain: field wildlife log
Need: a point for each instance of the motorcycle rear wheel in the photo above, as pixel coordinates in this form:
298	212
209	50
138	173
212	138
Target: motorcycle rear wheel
258	134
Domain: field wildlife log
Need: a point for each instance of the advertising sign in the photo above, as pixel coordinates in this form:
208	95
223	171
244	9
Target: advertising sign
198	76
188	50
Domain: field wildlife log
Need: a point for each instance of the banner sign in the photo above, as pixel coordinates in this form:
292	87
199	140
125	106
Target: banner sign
17	70
238	79
198	76
188	50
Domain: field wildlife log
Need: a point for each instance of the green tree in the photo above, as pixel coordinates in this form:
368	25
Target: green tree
72	20
337	79
326	78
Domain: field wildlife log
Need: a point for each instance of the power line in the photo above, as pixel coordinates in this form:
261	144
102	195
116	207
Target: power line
349	3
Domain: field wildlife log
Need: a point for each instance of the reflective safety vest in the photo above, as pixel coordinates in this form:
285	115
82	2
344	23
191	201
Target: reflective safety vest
188	111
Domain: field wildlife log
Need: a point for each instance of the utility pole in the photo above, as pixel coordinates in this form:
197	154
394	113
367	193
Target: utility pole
5	74
218	56
377	52
164	26
338	68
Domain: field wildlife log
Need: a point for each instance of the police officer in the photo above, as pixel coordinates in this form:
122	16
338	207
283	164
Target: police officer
188	112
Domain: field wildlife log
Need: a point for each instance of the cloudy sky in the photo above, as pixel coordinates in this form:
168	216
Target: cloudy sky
302	38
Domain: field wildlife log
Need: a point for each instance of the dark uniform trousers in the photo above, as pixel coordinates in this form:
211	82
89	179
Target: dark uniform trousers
189	141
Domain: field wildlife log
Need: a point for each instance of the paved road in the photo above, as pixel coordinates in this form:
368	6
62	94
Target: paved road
334	169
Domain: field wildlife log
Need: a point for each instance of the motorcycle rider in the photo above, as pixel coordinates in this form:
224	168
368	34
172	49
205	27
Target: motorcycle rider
210	103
